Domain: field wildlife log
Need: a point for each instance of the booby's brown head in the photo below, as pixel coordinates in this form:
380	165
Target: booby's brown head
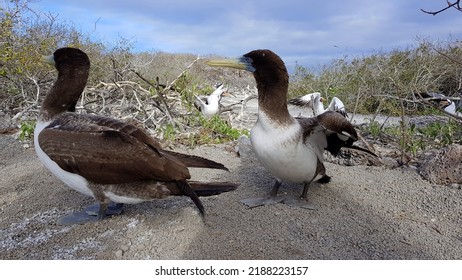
73	67
271	77
67	58
267	67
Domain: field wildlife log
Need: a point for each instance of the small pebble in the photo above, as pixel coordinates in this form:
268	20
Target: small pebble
119	253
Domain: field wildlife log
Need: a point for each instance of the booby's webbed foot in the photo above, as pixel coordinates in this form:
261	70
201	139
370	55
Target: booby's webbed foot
299	202
324	179
77	218
111	210
271	198
92	213
260	201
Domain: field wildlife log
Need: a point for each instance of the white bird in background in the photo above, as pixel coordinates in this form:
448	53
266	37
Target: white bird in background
451	108
315	100
210	105
447	104
337	105
305	100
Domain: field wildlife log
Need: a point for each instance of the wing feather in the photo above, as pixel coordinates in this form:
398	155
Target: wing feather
110	154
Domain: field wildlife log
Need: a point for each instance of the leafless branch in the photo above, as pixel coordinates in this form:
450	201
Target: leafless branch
455	5
448	57
168	87
425	101
160	96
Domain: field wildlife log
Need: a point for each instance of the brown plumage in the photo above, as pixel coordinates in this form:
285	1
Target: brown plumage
289	148
106	158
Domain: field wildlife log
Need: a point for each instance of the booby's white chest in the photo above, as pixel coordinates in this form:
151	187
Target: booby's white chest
74	181
282	151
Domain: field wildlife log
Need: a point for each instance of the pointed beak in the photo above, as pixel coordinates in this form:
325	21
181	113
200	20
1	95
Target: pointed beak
241	63
445	103
50	59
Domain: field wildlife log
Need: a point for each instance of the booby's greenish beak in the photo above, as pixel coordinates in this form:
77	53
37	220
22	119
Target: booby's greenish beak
50	59
228	94
241	63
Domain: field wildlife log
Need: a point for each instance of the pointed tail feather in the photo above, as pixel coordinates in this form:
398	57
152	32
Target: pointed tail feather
361	149
196	161
188	191
212	188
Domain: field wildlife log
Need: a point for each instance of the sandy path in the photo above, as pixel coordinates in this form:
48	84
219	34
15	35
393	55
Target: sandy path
363	213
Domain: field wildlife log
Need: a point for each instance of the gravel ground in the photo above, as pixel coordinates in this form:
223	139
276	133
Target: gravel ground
365	212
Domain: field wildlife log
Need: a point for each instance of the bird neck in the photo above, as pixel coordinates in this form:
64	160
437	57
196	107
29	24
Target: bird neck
318	106
214	99
272	97
65	92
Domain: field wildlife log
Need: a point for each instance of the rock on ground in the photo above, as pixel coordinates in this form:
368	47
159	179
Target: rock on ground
444	166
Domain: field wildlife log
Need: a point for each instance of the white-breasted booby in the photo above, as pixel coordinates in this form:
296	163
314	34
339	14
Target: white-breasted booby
210	105
337	105
443	101
305	100
289	148
105	158
315	100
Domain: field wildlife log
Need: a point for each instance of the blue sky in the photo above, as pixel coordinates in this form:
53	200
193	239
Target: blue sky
307	32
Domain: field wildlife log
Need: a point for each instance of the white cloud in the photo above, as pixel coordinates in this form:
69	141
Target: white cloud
297	30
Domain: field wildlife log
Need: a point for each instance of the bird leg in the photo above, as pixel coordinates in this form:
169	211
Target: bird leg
301	201
321	170
271	198
111	209
92	213
275	189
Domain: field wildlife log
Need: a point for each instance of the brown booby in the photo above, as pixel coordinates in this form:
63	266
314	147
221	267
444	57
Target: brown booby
289	148
105	158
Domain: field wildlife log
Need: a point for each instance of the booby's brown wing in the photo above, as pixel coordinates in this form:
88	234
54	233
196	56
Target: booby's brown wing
195	161
141	135
336	122
75	120
339	131
313	135
107	155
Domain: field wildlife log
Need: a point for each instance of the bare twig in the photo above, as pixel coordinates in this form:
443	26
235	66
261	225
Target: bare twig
425	101
160	96
181	74
448	57
455	5
168	87
37	96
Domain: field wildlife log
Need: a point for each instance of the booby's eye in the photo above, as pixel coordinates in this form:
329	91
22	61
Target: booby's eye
246	60
248	63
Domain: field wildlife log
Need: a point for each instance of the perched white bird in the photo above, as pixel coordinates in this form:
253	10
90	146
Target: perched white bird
305	100
337	105
443	101
210	105
315	100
